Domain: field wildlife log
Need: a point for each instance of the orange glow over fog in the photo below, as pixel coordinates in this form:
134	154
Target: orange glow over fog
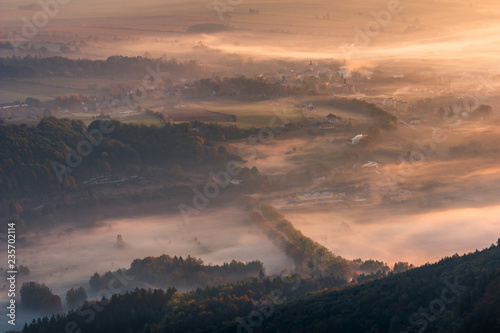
416	238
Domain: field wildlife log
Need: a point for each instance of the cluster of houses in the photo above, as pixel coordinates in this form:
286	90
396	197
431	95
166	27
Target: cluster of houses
19	111
331	122
108	178
414	121
49	108
311	197
322	77
396	104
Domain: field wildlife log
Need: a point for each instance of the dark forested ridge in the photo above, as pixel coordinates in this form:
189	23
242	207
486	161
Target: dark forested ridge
61	153
457	294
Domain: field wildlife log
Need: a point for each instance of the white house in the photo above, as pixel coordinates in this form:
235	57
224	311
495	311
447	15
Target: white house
358	138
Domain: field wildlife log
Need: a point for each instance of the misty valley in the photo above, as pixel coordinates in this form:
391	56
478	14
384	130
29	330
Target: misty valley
264	166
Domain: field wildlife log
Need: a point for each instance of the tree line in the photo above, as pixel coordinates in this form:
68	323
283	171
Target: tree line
456	294
113	66
383	119
189	273
244	88
311	257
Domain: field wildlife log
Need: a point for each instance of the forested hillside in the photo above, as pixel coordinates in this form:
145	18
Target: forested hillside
457	294
60	153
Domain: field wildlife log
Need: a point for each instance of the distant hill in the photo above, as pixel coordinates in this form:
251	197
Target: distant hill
457	294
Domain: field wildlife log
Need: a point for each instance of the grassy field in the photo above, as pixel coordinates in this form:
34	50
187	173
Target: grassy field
48	88
264	113
324	154
140	118
11	91
29	122
253	114
77	83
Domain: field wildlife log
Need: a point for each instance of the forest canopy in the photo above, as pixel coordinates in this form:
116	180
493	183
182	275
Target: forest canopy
59	153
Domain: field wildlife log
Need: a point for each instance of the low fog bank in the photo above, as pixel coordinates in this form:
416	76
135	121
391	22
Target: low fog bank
414	238
64	258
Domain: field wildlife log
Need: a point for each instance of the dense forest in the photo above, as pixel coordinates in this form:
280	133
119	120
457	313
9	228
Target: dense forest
197	310
243	88
189	273
114	66
456	294
383	119
61	153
